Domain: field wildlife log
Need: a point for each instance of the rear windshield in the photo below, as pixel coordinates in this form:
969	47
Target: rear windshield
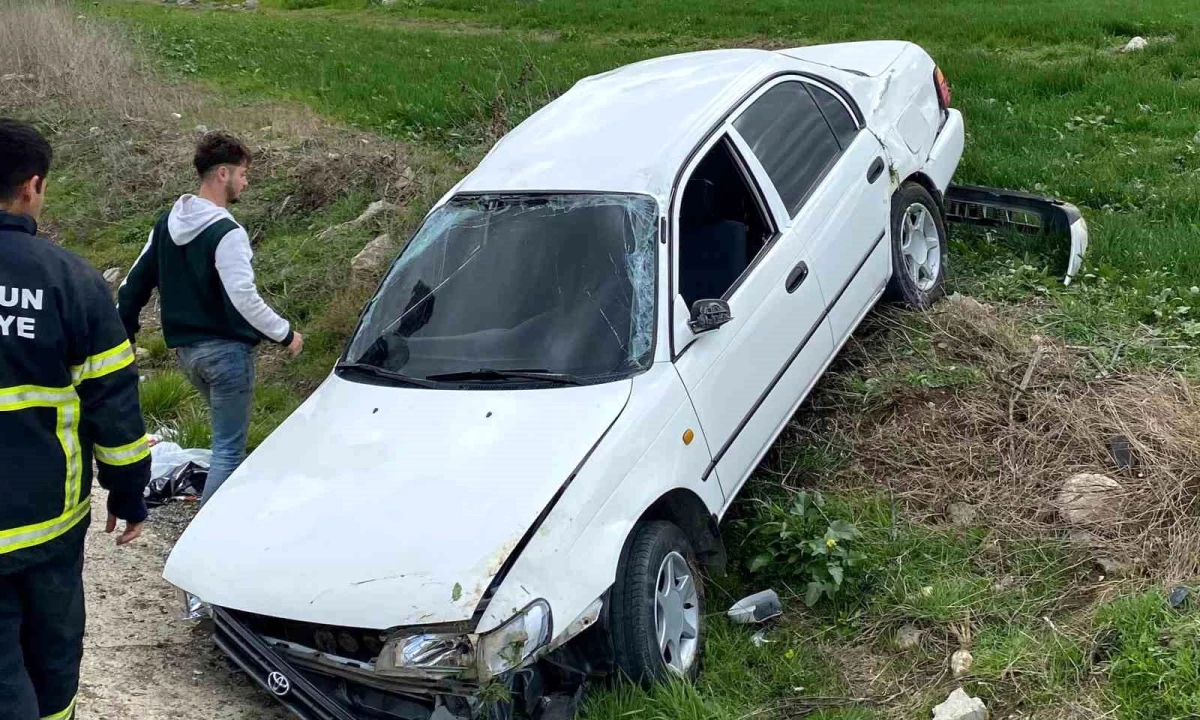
549	283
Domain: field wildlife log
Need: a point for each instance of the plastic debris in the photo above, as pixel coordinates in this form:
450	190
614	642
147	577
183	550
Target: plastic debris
1122	453
1178	596
759	638
194	608
176	472
756	608
1137	43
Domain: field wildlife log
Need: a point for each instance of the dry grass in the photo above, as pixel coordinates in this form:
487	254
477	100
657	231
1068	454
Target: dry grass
54	55
1037	413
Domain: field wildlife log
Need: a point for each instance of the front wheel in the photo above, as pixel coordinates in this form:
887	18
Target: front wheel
918	248
656	614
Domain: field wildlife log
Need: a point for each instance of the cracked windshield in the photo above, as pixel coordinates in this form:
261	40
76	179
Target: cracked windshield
520	288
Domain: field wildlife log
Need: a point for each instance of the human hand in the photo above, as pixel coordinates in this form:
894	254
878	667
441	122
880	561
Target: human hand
132	530
297	344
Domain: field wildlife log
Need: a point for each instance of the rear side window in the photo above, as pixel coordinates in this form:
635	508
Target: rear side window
790	137
836	113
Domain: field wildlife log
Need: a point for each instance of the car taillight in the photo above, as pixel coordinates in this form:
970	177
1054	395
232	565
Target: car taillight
943	87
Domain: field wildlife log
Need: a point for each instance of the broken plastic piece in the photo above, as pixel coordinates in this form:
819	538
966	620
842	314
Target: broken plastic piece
1122	452
1178	596
193	607
756	608
1024	213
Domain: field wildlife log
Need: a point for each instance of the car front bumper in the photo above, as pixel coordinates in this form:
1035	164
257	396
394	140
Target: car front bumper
309	694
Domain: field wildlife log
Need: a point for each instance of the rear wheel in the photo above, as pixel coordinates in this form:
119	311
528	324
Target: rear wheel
918	248
656	612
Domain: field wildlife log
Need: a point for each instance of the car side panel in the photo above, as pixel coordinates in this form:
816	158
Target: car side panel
572	558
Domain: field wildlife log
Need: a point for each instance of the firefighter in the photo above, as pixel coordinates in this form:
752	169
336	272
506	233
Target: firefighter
68	396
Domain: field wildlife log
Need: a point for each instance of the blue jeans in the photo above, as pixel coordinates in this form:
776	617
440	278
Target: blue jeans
223	373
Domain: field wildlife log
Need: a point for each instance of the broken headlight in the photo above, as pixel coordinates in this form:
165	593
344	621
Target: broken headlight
512	643
488	655
424	654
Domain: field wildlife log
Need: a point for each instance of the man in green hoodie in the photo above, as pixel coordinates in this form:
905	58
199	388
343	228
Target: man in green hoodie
198	257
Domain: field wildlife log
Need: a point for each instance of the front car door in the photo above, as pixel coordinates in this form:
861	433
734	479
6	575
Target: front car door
747	378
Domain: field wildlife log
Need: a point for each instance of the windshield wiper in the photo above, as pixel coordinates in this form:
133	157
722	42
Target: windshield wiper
383	374
491	374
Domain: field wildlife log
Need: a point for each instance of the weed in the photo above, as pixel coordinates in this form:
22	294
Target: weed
802	541
166	396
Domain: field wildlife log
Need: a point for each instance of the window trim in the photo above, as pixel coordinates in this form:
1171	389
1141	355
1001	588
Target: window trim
788	216
754	185
704	142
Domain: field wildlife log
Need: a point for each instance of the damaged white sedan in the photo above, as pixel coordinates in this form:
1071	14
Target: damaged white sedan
517	471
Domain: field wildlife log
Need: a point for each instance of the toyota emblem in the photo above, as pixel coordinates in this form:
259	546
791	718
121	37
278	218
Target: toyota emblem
278	683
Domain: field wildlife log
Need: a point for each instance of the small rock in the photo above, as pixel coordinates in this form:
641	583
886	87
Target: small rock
141	354
374	255
908	637
960	662
1089	498
1138	43
1084	539
93	130
177	116
387	3
201	128
250	4
1178	596
112	275
962	514
1114	568
960	706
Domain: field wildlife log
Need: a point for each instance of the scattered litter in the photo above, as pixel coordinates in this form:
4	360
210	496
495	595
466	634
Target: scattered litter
1122	452
756	608
960	662
908	637
176	473
759	638
1138	43
1178	596
960	706
112	275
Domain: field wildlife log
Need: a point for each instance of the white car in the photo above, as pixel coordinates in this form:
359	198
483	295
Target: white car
517	472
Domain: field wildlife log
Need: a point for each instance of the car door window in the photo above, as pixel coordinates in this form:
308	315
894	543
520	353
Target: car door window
789	136
723	226
839	118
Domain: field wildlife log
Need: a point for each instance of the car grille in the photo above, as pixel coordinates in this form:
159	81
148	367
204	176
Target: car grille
353	643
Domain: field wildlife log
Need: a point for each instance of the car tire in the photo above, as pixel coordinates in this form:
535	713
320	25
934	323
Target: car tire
642	607
918	249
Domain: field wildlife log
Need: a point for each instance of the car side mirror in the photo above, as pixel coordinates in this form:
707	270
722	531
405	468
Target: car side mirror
708	315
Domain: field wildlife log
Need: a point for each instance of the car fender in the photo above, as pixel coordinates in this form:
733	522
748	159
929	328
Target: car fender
572	559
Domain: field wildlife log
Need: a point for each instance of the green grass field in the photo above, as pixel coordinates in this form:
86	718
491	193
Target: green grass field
1050	106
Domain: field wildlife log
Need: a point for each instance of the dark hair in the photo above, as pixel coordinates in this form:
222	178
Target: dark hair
217	148
24	153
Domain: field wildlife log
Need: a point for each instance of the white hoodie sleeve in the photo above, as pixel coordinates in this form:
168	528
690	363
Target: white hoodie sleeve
232	259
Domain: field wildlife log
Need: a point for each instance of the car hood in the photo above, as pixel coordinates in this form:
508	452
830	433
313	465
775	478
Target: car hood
376	507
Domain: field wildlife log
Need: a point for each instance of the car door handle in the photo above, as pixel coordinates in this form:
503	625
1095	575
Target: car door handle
796	276
875	170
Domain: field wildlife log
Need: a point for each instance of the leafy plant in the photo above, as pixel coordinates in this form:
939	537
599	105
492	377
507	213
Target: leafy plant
804	542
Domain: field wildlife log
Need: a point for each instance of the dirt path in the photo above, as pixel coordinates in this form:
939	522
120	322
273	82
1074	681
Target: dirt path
141	662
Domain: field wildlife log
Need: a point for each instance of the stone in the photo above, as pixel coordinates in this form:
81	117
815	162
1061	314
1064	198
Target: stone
374	255
1113	568
1136	44
94	130
960	662
250	4
201	128
962	514
141	354
112	275
960	706
908	637
1090	498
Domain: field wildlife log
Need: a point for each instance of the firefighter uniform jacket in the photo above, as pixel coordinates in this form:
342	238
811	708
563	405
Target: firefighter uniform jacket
68	396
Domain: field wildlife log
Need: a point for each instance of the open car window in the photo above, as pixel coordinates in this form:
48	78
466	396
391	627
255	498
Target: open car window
536	284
